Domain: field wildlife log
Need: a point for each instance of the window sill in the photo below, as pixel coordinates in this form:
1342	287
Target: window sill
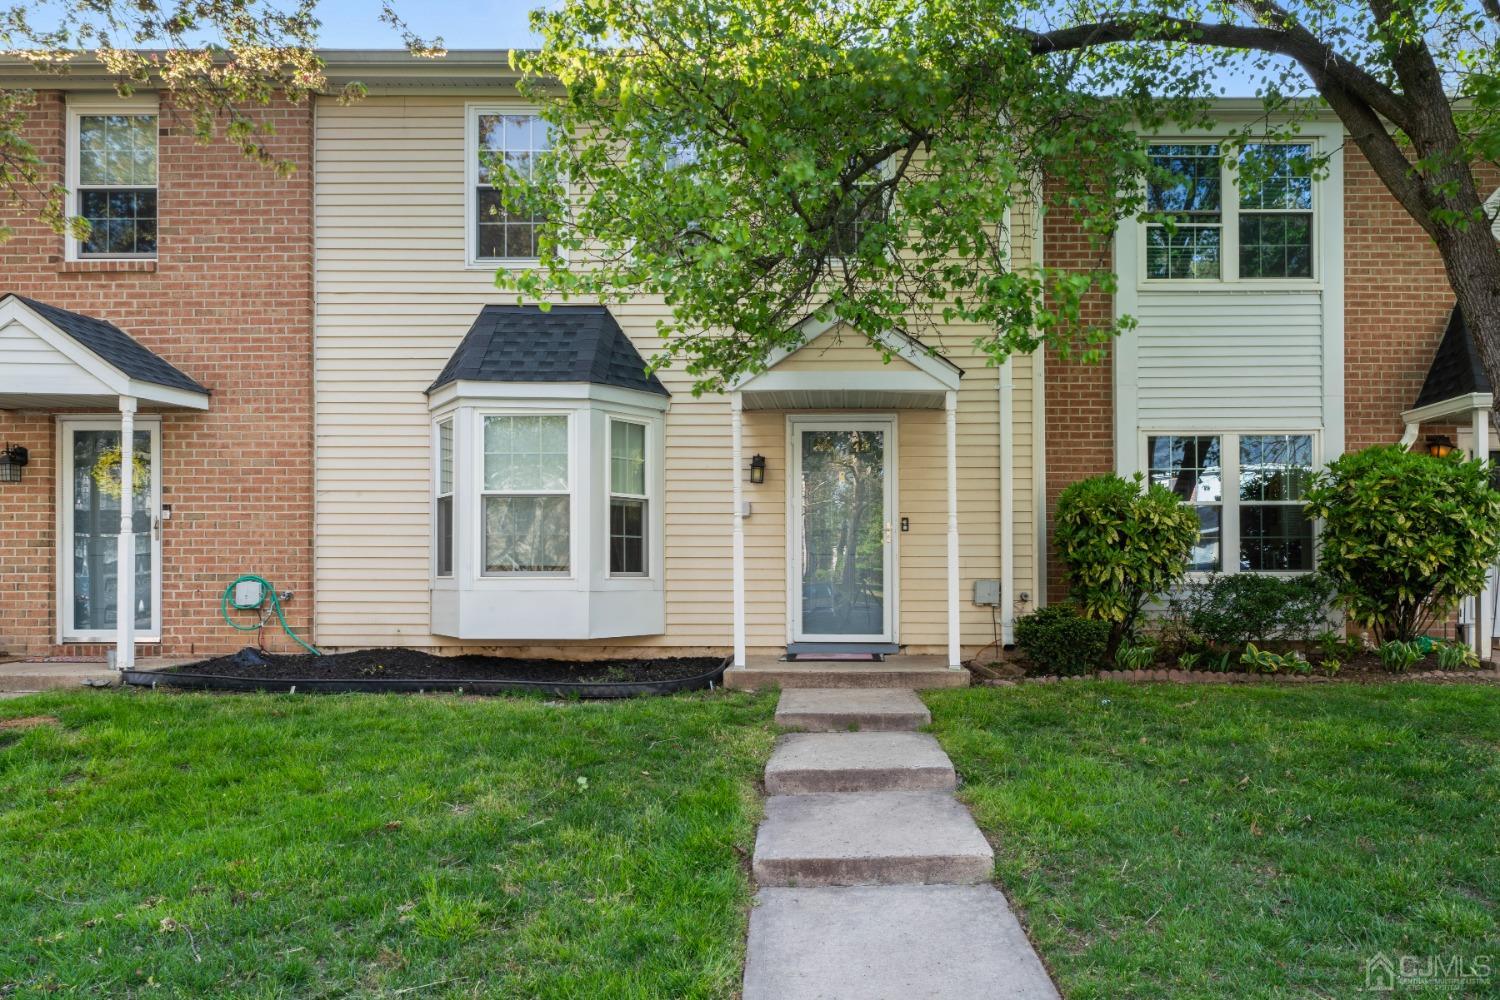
1252	285
132	265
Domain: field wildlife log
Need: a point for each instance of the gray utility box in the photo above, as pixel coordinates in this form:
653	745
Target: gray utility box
987	592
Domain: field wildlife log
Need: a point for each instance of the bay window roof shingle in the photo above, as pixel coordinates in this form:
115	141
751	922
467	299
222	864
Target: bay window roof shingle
567	343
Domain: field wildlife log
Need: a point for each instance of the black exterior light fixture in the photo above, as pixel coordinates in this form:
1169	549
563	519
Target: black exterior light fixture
12	460
1439	446
758	469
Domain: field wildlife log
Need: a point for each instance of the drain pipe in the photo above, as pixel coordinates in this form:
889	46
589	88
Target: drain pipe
1409	436
1006	389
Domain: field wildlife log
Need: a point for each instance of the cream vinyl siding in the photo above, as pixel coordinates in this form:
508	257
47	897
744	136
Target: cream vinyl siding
394	298
1236	355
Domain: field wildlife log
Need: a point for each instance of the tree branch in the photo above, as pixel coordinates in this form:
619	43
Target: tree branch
1294	42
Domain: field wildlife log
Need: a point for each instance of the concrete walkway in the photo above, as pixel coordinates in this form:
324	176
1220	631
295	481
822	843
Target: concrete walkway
874	880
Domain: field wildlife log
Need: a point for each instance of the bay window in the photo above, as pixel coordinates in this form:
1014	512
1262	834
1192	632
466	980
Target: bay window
1221	219
526	505
627	498
1257	524
443	500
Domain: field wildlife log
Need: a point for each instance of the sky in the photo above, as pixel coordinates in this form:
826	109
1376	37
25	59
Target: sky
463	24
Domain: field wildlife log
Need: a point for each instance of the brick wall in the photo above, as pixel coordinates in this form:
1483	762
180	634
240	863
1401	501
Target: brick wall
230	303
1079	394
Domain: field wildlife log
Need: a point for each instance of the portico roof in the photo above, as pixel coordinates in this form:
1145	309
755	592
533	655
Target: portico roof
59	359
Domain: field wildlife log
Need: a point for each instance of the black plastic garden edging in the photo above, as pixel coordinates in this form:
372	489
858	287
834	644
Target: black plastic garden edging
328	685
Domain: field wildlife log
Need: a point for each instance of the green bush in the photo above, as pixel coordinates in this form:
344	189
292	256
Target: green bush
1242	608
1058	640
1122	545
1264	661
1405	535
1398	657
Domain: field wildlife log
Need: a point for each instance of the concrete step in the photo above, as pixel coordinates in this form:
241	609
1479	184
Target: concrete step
38	675
895	672
869	838
833	710
907	942
806	763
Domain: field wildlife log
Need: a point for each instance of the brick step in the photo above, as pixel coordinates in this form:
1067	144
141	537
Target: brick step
806	763
869	838
833	710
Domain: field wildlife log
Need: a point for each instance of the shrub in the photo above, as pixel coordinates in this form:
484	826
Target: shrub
1456	656
1230	611
1266	662
1130	656
1405	535
1057	639
1122	545
1398	657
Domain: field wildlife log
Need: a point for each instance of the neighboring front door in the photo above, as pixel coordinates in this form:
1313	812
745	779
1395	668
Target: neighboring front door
89	529
842	578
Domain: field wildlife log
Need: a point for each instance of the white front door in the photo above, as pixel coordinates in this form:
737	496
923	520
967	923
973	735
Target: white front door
88	506
842	573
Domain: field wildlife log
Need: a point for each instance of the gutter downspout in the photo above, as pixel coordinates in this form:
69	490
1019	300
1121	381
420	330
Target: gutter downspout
1409	436
1006	391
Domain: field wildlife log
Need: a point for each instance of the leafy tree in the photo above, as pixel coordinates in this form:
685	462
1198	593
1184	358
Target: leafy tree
1405	535
216	58
752	161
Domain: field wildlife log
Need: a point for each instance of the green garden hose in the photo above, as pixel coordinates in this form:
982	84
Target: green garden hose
225	603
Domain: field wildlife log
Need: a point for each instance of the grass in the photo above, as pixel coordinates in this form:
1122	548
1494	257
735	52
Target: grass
320	846
1181	841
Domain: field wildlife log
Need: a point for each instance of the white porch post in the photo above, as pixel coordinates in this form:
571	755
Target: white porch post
125	554
737	516
950	405
1484	614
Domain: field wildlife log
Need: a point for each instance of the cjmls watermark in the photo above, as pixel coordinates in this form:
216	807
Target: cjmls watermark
1384	973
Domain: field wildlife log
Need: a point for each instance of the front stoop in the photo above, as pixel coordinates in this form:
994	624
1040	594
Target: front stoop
870	838
40	675
909	672
836	710
909	942
806	763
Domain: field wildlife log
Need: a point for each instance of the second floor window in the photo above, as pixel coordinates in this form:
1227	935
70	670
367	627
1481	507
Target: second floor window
502	139
1252	219
114	182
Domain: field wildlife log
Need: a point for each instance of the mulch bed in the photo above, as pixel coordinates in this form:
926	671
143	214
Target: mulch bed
414	664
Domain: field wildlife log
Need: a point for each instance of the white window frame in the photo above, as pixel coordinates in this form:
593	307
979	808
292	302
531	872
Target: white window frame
137	106
472	112
1230	503
480	493
1229	220
611	494
451	419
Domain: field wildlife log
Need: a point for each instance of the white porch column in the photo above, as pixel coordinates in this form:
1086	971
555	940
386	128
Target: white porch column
1484	613
950	405
737	517
125	553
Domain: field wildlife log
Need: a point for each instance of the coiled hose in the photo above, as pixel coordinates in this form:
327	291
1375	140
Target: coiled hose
227	602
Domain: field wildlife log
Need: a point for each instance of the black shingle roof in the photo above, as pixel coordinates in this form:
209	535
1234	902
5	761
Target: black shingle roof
564	344
113	345
1456	370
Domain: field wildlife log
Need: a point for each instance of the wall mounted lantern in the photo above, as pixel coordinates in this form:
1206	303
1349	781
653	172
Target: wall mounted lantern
758	469
1439	446
12	460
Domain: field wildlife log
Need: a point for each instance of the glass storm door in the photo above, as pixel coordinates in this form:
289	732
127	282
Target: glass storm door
843	588
90	529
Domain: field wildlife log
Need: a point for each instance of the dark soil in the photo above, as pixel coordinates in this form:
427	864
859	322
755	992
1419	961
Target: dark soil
413	664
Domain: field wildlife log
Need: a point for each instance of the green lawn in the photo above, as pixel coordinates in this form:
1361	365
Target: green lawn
1185	841
179	845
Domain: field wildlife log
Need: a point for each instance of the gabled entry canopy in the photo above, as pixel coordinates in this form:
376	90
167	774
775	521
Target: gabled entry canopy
824	373
57	359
